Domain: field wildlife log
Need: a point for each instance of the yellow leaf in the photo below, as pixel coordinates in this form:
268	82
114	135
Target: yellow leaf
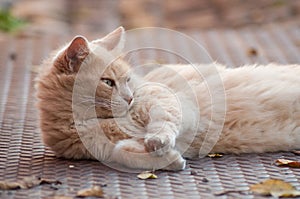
289	163
215	155
26	183
276	188
94	191
147	175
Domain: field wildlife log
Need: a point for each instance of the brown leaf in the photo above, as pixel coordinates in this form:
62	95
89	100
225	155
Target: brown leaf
215	155
9	185
147	175
289	163
94	191
275	188
26	183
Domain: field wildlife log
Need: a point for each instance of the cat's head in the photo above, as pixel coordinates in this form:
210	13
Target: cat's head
104	78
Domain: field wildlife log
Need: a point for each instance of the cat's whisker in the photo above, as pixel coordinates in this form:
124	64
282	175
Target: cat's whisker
97	100
104	105
84	101
86	111
93	100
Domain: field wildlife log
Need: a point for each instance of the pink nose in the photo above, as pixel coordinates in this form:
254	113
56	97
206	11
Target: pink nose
129	100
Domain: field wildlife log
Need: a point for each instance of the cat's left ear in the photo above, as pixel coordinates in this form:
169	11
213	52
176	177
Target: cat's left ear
76	52
114	41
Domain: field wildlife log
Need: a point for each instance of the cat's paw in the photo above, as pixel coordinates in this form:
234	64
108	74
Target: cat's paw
158	145
177	165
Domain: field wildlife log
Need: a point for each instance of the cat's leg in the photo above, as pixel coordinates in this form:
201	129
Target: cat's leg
166	117
160	138
133	154
167	122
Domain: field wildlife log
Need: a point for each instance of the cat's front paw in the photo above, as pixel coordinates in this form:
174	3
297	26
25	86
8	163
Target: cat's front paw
158	145
178	164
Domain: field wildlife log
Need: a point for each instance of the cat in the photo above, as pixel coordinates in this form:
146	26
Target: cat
97	136
174	111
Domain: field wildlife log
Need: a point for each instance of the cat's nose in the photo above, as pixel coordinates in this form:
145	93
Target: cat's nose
129	100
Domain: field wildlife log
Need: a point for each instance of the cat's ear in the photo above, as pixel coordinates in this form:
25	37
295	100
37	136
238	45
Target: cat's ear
76	52
114	41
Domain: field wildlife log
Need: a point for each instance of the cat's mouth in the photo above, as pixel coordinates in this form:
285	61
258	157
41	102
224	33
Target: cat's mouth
122	112
131	104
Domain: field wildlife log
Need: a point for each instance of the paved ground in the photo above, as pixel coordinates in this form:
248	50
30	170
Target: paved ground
86	16
226	30
23	154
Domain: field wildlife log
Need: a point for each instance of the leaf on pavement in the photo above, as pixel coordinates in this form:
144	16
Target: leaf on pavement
26	183
147	175
4	185
289	163
94	191
215	155
275	188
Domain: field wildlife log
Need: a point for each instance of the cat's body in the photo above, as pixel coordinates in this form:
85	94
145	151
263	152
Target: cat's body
182	111
262	107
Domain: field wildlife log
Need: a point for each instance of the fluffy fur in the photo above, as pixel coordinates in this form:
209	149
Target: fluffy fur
176	109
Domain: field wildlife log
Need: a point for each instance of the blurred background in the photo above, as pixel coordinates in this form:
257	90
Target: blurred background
90	16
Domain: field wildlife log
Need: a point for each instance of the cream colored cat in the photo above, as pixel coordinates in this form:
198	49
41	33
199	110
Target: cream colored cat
85	138
90	111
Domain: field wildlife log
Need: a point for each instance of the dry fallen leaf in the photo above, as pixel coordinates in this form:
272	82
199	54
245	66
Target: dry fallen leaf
26	183
147	175
94	191
289	163
9	185
275	188
215	155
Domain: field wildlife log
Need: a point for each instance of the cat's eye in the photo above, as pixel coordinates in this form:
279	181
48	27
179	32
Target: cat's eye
128	79
109	82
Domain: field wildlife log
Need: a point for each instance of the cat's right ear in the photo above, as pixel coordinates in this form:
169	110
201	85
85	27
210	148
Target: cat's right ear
76	52
113	42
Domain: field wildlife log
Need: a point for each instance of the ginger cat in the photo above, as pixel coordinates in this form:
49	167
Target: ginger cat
97	136
88	110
